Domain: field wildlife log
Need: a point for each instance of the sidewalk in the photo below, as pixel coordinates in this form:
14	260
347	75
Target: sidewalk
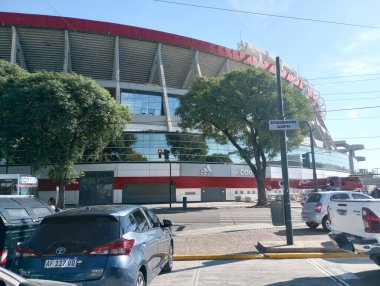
248	241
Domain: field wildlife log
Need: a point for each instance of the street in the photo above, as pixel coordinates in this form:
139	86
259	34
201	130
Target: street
282	272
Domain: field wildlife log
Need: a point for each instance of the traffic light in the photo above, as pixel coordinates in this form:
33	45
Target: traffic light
166	154
159	153
306	160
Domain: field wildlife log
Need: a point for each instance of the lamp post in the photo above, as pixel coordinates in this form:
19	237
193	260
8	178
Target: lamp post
315	182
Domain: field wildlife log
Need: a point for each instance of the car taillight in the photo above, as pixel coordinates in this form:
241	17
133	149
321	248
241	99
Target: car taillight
25	252
318	208
118	247
3	257
371	221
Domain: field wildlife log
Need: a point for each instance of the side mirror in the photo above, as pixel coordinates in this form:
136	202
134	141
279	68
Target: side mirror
167	223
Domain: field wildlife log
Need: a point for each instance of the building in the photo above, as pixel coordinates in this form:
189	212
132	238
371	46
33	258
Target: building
148	70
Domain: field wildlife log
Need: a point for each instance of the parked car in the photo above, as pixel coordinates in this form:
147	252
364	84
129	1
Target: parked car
98	245
314	211
9	278
19	216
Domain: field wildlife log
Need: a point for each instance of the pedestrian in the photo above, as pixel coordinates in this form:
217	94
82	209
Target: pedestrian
53	204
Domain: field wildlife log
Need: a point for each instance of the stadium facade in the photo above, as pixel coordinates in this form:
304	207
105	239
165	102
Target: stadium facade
148	71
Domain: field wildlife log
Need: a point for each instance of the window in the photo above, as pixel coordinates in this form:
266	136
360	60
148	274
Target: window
359	197
143	102
41	211
152	218
343	196
86	231
141	221
173	104
313	198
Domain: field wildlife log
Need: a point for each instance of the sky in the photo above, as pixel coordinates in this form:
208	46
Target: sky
332	43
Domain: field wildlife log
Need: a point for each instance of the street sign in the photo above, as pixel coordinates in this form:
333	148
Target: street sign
278	125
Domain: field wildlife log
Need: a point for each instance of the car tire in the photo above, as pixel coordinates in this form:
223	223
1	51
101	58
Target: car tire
326	224
140	280
312	225
169	265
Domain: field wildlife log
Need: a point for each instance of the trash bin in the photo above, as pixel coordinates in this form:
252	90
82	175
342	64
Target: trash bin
277	210
184	202
19	216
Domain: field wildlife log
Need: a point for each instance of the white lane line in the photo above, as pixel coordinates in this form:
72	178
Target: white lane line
329	274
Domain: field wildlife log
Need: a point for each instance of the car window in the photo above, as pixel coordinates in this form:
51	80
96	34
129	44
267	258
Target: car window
128	223
313	198
75	233
359	197
141	220
155	221
342	196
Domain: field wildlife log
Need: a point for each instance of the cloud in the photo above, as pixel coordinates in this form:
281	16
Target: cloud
352	114
362	42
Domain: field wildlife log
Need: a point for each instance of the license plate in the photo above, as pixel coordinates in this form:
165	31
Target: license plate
61	263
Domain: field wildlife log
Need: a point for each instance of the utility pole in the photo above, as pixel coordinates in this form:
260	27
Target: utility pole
284	159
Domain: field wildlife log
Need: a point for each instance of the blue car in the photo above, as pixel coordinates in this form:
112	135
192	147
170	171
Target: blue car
98	245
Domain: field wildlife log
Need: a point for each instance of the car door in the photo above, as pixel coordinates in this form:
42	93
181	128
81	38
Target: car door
162	234
148	241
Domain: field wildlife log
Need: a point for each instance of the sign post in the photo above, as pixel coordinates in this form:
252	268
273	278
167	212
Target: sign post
283	125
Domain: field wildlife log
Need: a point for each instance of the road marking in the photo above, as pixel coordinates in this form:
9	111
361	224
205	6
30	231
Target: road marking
339	272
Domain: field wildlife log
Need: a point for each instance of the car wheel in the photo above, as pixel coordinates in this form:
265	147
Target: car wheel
169	265
326	224
140	281
312	225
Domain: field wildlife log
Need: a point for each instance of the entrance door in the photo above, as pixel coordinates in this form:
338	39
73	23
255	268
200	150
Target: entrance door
96	188
213	194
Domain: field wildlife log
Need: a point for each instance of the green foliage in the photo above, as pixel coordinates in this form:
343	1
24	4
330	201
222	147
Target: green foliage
188	147
237	107
50	119
240	104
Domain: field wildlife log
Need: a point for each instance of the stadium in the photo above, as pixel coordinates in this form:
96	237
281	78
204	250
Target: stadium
148	71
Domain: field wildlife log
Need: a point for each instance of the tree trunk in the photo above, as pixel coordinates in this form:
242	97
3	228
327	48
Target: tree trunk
262	196
61	195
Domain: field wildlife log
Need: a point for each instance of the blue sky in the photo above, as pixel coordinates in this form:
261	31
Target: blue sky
343	62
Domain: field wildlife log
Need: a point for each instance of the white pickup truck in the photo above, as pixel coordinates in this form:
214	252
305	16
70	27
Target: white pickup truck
355	226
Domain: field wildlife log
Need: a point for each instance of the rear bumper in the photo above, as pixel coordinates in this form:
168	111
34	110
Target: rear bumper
312	217
355	244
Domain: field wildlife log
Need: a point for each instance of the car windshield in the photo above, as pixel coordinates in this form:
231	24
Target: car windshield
314	198
76	234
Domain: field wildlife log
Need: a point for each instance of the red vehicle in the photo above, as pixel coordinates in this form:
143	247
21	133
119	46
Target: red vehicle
352	183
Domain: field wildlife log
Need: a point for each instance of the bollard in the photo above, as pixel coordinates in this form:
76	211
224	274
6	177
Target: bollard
184	202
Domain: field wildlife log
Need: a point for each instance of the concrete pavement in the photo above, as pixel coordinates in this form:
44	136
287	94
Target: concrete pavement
248	241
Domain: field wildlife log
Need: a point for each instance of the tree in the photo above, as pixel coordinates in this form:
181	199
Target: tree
237	108
187	147
52	118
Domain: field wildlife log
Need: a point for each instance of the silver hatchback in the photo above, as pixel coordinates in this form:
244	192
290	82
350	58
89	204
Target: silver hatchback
314	210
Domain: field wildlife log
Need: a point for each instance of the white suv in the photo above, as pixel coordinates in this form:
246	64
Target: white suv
314	210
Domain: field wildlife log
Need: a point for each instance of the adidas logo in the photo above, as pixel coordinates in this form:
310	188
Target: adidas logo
206	171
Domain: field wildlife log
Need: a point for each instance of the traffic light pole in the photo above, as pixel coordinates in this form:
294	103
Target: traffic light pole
170	184
315	182
284	160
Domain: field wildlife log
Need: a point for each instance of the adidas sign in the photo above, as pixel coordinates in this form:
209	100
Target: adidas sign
206	171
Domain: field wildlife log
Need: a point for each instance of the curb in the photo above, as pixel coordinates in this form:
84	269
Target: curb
184	257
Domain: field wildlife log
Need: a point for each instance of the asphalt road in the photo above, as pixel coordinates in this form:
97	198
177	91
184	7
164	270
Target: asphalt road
282	272
194	217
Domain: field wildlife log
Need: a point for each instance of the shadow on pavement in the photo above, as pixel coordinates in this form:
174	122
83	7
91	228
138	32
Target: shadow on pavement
303	232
